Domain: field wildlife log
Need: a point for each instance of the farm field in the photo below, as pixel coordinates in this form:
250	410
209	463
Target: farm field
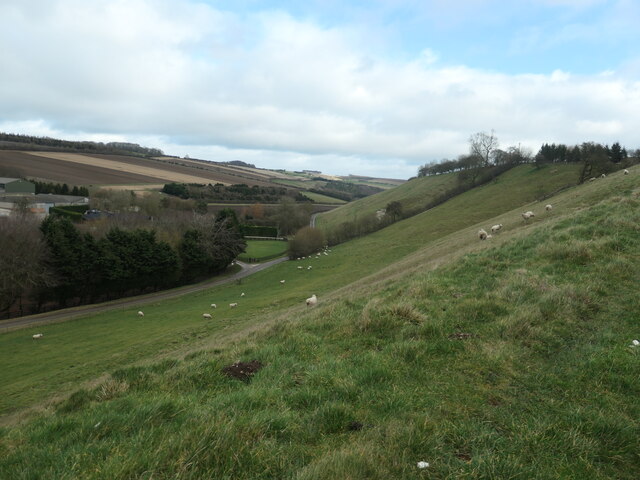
496	359
319	198
347	263
264	249
61	171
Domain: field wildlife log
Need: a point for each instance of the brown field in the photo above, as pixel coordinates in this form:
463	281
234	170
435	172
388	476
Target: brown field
54	170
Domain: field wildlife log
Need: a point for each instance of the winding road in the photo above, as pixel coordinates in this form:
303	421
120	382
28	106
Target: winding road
69	313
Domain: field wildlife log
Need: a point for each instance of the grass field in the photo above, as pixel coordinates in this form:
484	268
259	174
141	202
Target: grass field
500	359
264	249
318	198
419	191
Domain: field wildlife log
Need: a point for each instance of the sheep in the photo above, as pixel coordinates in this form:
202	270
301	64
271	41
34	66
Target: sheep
141	313
242	294
482	234
213	305
312	300
38	335
206	316
626	172
592	179
233	305
282	282
300	267
528	215
309	267
489	236
548	207
495	228
603	175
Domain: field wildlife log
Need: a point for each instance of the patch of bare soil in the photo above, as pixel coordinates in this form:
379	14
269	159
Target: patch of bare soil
242	370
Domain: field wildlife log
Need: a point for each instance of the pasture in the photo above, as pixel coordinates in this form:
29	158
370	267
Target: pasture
507	358
264	249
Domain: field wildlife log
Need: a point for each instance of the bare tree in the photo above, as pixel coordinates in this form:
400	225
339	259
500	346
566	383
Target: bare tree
23	254
482	145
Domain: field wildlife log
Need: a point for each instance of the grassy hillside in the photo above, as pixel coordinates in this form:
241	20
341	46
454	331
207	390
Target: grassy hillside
507	358
85	349
420	191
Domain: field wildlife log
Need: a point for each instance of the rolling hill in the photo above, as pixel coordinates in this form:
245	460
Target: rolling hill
496	359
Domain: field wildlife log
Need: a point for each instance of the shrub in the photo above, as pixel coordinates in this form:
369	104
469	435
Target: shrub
306	241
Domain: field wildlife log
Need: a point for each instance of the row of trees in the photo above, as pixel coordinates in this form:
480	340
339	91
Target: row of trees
30	142
60	189
232	193
56	264
484	152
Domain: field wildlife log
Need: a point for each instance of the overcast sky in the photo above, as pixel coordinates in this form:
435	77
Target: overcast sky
373	87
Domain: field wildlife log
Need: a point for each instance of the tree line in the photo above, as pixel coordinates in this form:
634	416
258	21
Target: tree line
54	264
232	193
59	189
30	142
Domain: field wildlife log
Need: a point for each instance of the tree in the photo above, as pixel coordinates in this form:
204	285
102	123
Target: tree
23	254
482	145
306	241
394	210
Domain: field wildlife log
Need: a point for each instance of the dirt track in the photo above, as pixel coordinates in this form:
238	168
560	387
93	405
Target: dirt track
69	313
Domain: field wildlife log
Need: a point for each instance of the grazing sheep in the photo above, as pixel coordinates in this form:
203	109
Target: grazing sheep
282	282
528	215
233	305
141	313
38	335
326	253
213	305
592	179
242	294
626	172
548	207
312	300
300	267
482	234
495	228
206	315
309	267
489	236
603	175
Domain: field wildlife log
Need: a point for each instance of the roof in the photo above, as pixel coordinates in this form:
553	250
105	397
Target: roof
8	180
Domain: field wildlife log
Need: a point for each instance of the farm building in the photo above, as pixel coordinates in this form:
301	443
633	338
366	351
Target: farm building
39	204
18	186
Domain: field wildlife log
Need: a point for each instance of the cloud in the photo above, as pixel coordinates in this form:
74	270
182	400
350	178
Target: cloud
277	91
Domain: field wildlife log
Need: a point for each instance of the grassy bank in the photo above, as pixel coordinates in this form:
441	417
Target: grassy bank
511	360
263	249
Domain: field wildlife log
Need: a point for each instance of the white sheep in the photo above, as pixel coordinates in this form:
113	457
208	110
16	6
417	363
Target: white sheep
38	335
242	294
528	215
309	267
482	234
213	305
300	267
141	313
489	236
548	207
233	305
206	315
592	179
626	172
603	175
495	228
282	282
312	300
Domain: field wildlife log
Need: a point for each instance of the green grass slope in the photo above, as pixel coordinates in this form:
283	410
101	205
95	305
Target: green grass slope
85	349
507	358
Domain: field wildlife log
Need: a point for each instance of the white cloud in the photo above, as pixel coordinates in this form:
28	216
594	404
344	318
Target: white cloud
275	91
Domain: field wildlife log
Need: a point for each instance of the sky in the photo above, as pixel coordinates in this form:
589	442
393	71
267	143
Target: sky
375	87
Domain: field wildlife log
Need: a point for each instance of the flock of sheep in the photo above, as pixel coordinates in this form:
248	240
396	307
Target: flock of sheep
310	302
483	235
